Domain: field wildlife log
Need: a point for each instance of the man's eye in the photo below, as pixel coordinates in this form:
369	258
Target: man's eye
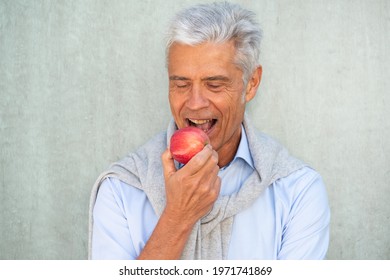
181	85
214	86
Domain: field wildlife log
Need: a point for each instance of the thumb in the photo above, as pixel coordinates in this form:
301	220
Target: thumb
168	164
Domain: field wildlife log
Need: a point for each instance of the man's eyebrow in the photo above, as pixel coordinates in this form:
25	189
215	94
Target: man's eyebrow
216	78
178	78
210	78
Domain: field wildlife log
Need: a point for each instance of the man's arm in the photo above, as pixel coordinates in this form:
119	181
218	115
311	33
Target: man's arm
191	193
112	237
306	231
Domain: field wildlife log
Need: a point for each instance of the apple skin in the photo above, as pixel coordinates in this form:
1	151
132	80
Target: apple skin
187	142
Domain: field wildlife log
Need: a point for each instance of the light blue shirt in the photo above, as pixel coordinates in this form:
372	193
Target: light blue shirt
289	220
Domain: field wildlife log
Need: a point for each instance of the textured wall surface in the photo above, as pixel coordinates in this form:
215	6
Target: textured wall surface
84	82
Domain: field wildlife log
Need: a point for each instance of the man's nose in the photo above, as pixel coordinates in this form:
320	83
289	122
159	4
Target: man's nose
197	98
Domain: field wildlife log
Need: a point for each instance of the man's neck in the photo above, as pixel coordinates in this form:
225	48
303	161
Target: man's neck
228	151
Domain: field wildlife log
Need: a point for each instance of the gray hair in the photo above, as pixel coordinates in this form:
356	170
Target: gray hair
219	23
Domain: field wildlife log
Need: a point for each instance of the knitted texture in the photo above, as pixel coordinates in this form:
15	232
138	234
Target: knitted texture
210	236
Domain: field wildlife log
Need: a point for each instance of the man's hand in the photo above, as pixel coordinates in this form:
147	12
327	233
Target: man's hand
191	193
192	190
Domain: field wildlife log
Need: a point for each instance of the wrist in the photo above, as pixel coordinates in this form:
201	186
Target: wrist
176	223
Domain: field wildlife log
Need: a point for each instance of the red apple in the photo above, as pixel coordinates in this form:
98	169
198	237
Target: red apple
187	142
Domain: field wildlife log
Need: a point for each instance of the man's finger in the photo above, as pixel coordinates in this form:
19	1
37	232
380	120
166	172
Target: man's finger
168	164
200	159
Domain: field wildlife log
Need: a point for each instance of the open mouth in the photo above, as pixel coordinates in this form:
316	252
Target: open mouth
205	125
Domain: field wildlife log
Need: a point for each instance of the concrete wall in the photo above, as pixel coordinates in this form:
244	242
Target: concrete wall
84	82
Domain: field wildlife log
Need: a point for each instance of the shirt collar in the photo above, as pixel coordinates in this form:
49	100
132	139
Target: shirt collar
243	151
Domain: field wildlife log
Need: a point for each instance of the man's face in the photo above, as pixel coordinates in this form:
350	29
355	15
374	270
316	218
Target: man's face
206	90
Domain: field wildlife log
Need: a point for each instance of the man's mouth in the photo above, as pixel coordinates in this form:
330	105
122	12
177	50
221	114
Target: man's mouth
204	125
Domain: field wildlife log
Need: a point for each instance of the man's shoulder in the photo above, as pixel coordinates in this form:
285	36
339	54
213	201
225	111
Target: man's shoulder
304	176
303	193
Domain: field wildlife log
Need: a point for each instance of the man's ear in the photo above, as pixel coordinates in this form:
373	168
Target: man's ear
253	83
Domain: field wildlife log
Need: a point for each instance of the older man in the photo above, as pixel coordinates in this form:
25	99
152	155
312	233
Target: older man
243	196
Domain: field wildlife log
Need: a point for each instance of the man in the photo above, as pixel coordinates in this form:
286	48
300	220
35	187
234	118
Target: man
243	196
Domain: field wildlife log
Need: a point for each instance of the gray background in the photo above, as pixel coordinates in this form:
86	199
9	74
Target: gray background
84	82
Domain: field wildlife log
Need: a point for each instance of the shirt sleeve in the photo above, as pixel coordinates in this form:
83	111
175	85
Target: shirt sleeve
111	237
305	234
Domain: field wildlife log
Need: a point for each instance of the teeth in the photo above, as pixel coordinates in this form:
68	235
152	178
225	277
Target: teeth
204	125
200	121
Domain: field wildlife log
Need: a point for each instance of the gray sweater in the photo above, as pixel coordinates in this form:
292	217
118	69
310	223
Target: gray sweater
210	236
